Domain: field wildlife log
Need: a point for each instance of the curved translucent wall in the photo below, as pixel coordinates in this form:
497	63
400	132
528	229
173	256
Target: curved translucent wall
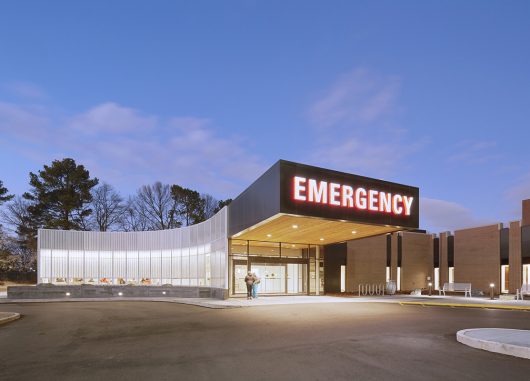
191	256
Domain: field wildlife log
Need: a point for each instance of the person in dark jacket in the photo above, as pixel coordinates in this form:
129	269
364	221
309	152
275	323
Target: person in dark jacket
249	281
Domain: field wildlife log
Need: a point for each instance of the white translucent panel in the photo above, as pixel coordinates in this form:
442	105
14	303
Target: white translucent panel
75	263
132	267
156	258
60	266
166	266
207	269
105	267
91	266
201	270
144	265
44	267
176	264
193	267
120	267
185	269
193	255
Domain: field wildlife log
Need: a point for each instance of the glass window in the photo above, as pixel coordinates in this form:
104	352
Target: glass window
265	249
238	247
293	250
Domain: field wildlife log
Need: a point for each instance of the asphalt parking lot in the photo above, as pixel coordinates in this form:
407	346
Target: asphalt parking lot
332	341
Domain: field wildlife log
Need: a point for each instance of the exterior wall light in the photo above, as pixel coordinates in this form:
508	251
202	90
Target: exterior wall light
163	293
120	293
67	294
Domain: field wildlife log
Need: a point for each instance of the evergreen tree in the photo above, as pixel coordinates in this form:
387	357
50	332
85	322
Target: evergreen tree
60	195
222	204
189	205
3	194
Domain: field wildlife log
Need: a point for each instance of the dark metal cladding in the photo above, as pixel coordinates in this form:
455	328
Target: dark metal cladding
258	202
334	258
288	170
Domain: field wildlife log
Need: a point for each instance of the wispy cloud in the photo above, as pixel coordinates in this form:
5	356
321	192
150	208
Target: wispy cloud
124	146
111	118
440	215
355	125
26	90
23	122
474	152
357	97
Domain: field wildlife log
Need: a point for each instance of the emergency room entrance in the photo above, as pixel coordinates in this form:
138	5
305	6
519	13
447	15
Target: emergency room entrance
283	268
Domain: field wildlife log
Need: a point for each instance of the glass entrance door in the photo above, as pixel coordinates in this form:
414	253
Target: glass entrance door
240	271
272	276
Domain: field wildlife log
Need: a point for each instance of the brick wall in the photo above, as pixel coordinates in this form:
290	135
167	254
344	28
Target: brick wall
365	262
477	257
416	260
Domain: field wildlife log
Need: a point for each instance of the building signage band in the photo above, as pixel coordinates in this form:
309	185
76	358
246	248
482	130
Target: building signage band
317	192
343	195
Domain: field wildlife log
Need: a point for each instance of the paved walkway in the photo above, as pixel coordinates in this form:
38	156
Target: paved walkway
512	342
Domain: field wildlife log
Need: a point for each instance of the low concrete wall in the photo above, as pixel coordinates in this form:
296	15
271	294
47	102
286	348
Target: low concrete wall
47	291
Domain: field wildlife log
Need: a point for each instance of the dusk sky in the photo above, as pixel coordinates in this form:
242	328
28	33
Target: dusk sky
209	94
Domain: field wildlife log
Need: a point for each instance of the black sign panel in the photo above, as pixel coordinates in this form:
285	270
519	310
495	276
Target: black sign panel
319	192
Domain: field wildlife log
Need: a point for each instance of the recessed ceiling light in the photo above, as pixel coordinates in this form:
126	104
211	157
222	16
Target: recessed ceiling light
353	232
269	235
293	245
295	226
322	239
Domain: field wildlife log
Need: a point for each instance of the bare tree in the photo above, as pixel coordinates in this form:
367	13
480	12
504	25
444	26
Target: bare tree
131	220
17	218
22	248
107	206
211	205
155	204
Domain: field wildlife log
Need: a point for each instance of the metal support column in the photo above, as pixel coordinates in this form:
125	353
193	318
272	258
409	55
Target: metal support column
317	270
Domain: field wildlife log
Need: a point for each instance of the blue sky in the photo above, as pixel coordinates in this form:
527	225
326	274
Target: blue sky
208	94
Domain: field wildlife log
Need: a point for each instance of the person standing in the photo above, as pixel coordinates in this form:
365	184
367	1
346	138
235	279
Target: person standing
255	285
249	281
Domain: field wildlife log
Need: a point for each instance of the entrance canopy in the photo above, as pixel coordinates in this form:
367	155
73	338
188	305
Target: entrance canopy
294	202
311	230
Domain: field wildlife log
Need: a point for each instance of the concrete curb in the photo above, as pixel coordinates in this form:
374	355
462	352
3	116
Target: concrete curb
193	302
467	305
6	317
504	348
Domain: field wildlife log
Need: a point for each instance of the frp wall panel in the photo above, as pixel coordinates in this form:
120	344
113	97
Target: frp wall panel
193	255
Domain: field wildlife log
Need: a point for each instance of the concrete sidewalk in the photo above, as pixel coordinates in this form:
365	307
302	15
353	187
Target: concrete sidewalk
512	342
299	299
6	317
